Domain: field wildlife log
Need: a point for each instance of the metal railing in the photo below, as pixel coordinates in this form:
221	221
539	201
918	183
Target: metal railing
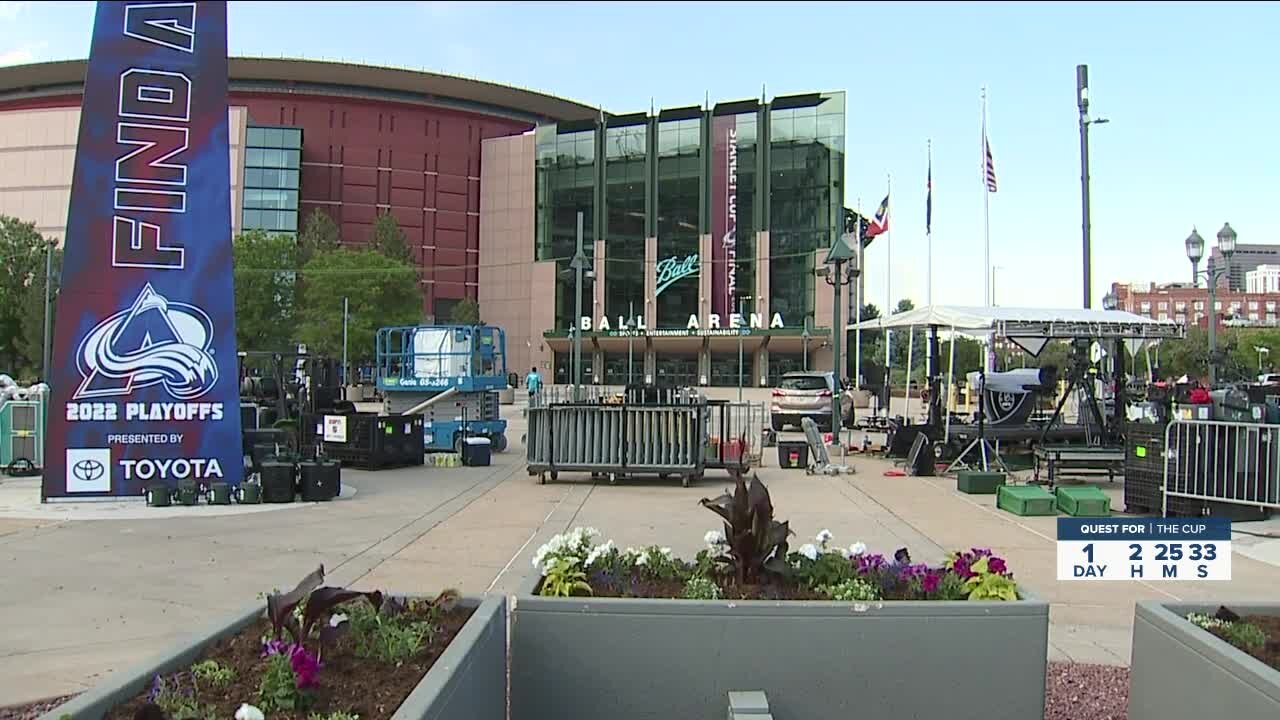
1215	460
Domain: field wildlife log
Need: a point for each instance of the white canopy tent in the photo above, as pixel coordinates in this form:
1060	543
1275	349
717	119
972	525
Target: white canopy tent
1045	323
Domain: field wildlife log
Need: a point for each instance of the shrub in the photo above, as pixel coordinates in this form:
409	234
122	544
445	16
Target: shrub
854	589
212	673
700	588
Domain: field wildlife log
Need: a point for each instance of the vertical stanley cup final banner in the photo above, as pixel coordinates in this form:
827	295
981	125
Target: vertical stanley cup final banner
724	214
144	364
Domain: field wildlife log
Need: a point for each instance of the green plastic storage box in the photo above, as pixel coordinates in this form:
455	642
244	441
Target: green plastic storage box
979	483
1026	500
1085	501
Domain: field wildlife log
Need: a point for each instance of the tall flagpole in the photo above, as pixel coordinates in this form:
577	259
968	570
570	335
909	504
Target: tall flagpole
986	209
857	295
928	232
888	289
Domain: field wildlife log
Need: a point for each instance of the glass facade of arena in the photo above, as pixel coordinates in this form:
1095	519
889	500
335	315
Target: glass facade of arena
272	157
702	215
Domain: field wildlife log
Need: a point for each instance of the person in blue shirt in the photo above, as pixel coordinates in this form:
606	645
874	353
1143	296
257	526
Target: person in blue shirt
533	381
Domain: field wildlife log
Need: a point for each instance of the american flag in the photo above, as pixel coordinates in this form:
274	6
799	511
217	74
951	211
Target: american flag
989	169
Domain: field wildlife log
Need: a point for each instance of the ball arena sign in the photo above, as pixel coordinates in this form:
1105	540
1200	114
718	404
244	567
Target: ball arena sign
144	377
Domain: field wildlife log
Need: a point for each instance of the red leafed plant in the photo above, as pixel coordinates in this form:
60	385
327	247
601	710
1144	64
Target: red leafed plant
756	544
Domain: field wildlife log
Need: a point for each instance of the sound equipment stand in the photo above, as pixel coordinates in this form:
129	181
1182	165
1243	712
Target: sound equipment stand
988	454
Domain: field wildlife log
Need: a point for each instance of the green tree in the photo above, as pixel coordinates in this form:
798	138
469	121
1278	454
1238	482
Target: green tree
22	258
380	291
319	234
265	280
904	305
466	312
389	239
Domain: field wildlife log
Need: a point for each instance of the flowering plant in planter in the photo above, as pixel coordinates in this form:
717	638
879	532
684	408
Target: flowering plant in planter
751	558
319	652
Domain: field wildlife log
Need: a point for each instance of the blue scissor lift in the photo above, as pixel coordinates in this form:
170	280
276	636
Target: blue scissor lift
451	374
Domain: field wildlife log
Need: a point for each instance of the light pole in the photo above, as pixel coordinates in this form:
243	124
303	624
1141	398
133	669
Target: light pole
631	328
1195	251
579	267
805	336
740	358
1082	103
994	268
1261	351
843	272
48	308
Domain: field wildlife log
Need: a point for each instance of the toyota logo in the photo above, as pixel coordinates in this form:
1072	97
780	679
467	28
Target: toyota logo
88	470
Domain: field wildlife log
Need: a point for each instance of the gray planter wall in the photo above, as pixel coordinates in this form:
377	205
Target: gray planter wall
1181	672
627	659
467	682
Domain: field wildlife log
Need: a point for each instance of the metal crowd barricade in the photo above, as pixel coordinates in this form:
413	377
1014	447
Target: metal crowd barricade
1218	461
734	433
617	440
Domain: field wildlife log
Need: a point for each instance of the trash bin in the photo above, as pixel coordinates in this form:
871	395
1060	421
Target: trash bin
475	452
793	454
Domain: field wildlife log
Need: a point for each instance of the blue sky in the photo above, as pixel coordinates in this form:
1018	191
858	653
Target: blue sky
1188	89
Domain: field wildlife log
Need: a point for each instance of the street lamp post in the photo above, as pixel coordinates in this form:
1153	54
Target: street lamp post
1261	351
740	358
631	328
1082	103
1195	251
842	273
805	336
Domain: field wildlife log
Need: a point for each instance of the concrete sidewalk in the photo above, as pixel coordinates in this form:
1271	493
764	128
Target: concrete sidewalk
88	597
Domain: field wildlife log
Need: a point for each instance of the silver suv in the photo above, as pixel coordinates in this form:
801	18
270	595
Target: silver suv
808	394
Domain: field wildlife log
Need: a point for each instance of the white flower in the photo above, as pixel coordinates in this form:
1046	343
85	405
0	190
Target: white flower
823	536
642	559
714	538
337	619
667	552
857	549
598	552
249	712
809	550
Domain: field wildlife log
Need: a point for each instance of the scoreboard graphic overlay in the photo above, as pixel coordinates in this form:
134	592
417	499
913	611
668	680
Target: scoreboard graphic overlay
1144	549
144	377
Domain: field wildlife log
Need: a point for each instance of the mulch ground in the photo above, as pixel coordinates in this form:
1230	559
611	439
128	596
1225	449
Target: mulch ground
1073	691
1268	653
364	687
32	711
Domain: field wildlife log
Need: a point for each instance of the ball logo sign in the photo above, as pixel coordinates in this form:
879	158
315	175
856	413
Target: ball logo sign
143	381
153	342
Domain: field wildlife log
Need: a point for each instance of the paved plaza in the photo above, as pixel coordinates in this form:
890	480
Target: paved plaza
85	597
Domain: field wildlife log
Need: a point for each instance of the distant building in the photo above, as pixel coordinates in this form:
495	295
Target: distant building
1244	259
1187	304
1265	279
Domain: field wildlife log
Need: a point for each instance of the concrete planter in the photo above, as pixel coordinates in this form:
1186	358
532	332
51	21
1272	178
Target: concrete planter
467	682
1181	671
628	659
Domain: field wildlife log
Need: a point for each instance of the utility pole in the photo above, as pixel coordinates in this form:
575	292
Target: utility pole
1086	229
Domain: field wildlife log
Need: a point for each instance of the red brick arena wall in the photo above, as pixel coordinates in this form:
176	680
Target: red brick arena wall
362	157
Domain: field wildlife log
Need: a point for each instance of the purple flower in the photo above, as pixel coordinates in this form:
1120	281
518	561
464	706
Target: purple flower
932	579
305	666
980	552
907	572
961	567
997	565
869	563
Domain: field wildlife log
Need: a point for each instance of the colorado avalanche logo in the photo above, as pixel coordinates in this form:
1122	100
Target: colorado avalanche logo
153	342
